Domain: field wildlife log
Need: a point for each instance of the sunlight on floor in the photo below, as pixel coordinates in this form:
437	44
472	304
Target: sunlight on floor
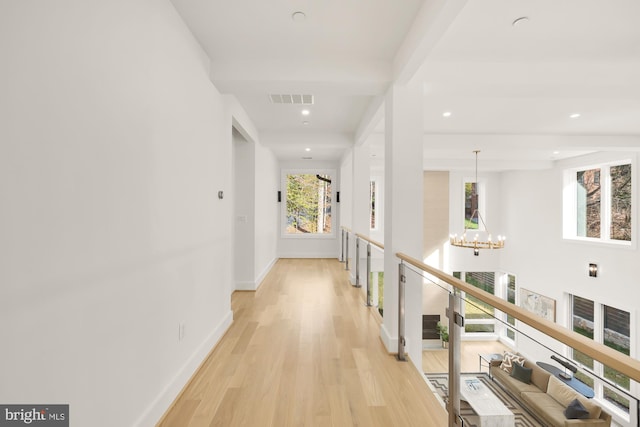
437	360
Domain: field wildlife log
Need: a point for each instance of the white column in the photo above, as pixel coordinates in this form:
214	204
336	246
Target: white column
360	212
403	212
346	203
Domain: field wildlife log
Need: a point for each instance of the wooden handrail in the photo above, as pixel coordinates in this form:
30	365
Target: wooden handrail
600	352
373	242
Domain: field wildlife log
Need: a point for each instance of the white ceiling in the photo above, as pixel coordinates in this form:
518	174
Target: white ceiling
510	89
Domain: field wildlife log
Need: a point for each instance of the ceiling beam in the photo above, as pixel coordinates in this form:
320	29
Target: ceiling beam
346	77
431	23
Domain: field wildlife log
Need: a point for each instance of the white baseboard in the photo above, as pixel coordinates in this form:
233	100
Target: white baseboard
245	286
432	345
254	285
390	343
264	273
308	255
159	406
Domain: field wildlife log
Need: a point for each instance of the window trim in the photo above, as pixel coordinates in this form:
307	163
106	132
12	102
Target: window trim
499	321
491	321
283	207
376	192
504	294
570	203
481	187
598	369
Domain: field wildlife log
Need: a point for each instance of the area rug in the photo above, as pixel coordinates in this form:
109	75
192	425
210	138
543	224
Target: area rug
440	384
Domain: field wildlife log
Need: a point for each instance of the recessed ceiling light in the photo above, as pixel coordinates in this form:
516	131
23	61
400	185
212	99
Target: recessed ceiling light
306	112
520	21
556	152
307	149
298	16
446	114
575	115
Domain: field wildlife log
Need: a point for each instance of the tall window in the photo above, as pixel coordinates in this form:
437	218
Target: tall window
621	202
511	297
610	326
471	205
582	323
599	207
479	316
372	205
308	204
615	334
588	204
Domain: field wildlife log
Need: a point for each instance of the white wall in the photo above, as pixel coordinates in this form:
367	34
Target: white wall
346	190
376	170
258	176
532	253
114	145
361	213
543	262
267	183
244	212
436	238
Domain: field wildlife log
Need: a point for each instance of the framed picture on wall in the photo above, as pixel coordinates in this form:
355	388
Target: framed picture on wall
544	307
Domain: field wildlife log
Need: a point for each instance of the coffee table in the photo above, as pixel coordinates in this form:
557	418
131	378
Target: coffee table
491	411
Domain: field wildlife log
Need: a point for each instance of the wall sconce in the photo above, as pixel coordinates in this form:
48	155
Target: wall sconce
476	251
593	270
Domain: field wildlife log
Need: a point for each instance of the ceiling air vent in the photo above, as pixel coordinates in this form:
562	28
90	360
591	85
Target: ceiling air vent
291	99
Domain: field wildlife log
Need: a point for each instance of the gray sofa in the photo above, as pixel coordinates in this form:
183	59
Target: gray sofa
547	397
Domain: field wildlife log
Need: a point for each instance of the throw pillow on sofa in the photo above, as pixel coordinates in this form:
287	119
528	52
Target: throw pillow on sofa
521	373
564	394
509	359
576	411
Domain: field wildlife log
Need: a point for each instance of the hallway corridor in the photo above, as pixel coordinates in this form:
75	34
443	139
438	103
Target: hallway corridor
304	351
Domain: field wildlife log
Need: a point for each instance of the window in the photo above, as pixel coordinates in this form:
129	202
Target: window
471	207
373	220
479	316
615	334
610	326
308	204
621	202
582	323
597	203
511	297
588	203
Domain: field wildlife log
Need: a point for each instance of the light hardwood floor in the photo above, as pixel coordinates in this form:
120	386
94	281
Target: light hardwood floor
436	361
304	351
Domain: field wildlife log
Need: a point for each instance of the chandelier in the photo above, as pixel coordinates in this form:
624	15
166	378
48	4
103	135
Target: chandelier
481	239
